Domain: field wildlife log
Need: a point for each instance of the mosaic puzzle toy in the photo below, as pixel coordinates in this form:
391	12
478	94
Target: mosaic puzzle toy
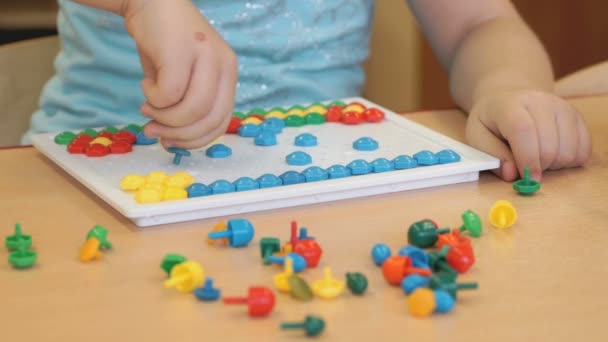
268	159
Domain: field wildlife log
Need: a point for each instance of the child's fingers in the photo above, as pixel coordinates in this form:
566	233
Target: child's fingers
567	124
519	129
547	131
584	143
170	82
200	141
197	102
482	138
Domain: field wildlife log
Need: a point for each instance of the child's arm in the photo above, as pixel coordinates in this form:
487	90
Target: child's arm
500	73
190	71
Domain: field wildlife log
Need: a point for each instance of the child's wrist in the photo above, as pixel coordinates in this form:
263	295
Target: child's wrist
507	81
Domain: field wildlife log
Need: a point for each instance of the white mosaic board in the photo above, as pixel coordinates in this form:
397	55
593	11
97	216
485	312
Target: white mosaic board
396	136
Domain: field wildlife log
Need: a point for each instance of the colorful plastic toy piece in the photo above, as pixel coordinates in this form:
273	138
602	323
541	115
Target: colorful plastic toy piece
156	177
180	180
447	156
303	235
336	103
198	190
315	119
454	239
294	121
142	139
246	184
258	111
526	186
310	250
274	125
297	110
426	158
281	280
450	287
472	223
382	165
186	276
179	153
90	250
269	180
277	114
298	262
133	128
328	287
97	150
373	115
351	118
365	144
316	108
64	138
461	258
101	234
306	140
234	125
148	195
299	288
359	167
438	261
125	136
265	138
207	292
380	252
315	174
90	132
18	239
356	282
354	107
443	302
102	141
292	177
22	257
312	325
397	267
239	233
218	151
219	227
298	158
419	257
249	130
338	171
260	301
333	114
221	186
239	115
269	246
170	261
424	233
254	120
120	147
421	303
414	281
503	214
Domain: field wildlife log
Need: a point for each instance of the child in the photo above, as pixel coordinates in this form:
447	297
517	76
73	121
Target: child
298	51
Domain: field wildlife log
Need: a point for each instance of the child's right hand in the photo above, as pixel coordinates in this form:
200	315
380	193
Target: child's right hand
190	72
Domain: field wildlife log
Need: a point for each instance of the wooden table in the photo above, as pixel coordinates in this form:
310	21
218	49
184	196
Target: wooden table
543	279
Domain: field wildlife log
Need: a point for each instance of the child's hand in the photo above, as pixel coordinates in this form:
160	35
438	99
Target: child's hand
542	130
190	72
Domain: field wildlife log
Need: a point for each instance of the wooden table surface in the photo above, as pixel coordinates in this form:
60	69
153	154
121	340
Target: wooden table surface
543	279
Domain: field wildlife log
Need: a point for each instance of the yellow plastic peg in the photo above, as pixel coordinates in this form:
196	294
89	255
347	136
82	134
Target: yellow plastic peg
281	280
502	214
221	226
328	287
186	276
90	250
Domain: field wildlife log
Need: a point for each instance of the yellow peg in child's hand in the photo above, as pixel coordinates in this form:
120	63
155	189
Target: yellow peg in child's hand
328	287
185	277
281	280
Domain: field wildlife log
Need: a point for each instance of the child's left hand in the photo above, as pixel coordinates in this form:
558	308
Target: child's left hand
528	128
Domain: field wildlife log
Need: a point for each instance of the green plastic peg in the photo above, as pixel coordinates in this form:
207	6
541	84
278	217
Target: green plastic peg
171	260
438	262
424	233
294	121
90	132
110	129
133	127
526	186
315	119
451	287
269	246
15	241
356	282
472	223
101	234
298	288
312	325
22	258
64	138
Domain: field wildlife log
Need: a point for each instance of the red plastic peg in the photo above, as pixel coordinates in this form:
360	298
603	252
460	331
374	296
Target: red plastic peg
333	114
397	267
260	301
310	251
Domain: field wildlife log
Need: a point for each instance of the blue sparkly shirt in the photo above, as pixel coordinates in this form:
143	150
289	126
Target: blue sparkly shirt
290	52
